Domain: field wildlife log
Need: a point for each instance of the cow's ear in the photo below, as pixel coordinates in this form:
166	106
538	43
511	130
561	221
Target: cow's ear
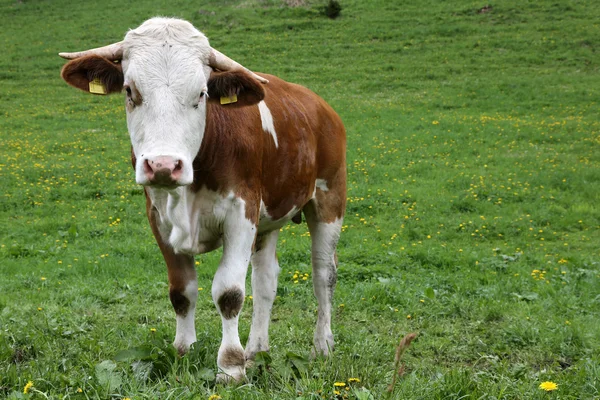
234	89
94	74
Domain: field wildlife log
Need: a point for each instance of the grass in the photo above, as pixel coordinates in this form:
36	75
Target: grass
473	215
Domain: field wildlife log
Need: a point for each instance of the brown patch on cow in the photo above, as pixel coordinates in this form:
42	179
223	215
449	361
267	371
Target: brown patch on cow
312	143
81	71
237	155
230	302
238	83
230	155
181	304
232	358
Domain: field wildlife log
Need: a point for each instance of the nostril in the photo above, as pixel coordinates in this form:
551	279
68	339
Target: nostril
147	168
178	166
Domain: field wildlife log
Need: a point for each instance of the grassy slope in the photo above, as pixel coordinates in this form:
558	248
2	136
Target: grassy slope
473	161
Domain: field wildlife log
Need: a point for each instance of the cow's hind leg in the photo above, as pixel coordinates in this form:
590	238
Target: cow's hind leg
325	228
265	271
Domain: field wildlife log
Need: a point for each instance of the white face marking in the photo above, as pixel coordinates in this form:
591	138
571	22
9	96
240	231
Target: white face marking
165	63
267	120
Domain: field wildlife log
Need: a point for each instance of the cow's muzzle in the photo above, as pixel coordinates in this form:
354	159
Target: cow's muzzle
163	171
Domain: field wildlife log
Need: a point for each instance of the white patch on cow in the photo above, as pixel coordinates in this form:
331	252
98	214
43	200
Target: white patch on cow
324	238
185	333
267	223
321	184
267	120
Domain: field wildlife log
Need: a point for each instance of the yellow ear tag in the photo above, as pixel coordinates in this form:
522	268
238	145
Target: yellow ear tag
97	87
229	100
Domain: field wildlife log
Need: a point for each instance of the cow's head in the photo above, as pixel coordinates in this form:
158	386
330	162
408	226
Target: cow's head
167	69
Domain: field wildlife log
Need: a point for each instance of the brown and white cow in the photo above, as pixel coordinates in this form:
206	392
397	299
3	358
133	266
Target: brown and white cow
226	175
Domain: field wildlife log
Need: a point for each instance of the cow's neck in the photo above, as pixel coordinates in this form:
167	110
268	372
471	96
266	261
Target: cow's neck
189	220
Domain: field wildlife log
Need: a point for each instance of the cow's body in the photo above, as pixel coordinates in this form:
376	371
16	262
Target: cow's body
257	167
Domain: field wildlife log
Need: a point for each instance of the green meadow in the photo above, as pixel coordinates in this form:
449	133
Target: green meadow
473	215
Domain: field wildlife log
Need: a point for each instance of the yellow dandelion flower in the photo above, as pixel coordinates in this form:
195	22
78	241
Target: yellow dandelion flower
336	392
79	390
548	386
408	316
152	330
214	397
28	386
353	380
339	384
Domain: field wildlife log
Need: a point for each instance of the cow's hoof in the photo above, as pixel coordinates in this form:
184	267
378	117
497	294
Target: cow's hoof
232	364
182	346
233	378
321	352
251	354
323	346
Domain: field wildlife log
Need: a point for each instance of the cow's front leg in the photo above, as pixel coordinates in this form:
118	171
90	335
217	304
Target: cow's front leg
228	290
183	285
183	292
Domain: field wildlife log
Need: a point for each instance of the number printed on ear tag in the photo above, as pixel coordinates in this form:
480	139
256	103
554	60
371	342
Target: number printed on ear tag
97	87
229	100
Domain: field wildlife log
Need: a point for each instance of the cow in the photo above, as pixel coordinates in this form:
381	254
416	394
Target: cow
226	158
